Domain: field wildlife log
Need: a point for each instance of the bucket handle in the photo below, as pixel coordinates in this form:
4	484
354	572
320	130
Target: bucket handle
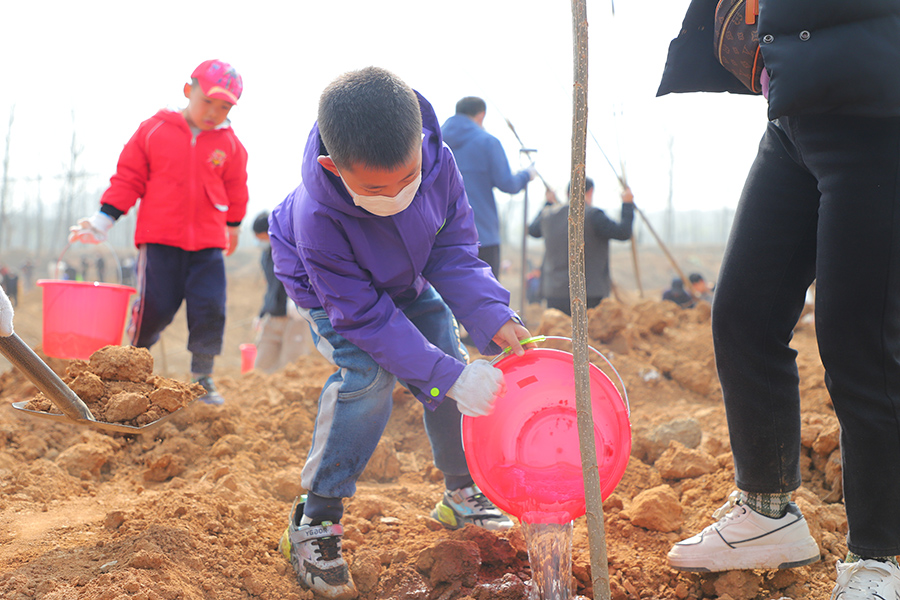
541	338
106	243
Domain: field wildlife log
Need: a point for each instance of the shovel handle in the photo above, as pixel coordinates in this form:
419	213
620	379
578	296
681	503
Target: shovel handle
23	357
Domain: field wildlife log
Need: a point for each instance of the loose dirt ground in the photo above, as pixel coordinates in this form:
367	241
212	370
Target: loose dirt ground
194	510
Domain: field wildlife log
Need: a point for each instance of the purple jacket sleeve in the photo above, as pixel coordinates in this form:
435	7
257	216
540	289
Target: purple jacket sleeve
462	279
357	311
285	254
372	321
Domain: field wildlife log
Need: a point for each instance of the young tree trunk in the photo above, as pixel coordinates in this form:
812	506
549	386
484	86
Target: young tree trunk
577	293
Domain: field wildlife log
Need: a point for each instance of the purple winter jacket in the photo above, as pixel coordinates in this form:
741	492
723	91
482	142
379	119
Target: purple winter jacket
364	269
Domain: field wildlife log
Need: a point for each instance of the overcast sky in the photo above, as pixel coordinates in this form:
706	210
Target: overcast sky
113	64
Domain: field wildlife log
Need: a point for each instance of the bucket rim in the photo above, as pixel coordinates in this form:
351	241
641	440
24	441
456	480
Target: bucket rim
69	282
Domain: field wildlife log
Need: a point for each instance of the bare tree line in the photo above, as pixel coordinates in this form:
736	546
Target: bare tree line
37	210
33	225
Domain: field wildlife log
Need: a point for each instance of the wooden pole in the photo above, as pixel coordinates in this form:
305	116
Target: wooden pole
578	295
637	268
687	284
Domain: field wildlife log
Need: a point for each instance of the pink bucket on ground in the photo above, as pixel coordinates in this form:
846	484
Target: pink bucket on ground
80	317
525	455
248	357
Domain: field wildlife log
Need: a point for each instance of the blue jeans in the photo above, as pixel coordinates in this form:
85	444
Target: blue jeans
821	202
356	402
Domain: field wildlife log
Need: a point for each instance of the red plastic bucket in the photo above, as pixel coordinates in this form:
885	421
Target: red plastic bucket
80	317
525	456
248	357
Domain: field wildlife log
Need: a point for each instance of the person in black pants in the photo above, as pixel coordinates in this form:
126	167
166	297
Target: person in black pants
821	203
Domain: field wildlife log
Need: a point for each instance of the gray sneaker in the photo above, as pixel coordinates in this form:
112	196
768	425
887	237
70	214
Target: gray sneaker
468	505
211	396
314	552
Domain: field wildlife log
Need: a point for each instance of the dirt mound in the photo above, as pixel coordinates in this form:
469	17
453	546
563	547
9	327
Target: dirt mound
118	386
194	511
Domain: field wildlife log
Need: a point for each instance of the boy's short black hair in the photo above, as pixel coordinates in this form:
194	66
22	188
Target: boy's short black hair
471	106
370	117
261	222
695	277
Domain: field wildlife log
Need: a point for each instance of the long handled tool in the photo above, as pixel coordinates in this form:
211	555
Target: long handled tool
623	183
523	283
527	151
22	357
685	280
74	409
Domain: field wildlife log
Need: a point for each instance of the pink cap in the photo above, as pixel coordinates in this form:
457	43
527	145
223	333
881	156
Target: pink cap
219	80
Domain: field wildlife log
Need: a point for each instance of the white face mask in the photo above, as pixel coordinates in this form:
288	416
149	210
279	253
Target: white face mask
385	206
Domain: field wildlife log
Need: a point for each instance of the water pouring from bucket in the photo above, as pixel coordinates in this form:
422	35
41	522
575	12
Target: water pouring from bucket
525	456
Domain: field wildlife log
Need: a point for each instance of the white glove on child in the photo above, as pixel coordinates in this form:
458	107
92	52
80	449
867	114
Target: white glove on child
92	230
233	236
477	387
6	315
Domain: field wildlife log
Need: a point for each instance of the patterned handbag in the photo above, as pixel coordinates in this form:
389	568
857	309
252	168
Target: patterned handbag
737	43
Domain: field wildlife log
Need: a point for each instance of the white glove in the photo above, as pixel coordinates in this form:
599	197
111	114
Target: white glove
233	236
477	387
6	315
532	172
93	229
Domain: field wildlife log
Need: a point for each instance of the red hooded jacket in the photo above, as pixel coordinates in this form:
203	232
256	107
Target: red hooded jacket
189	186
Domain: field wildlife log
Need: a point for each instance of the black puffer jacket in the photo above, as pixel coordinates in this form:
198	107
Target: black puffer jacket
822	56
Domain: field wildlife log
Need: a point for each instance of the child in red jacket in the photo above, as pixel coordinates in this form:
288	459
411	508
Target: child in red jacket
190	172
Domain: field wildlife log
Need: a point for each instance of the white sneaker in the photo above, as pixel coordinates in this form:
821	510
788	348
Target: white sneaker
867	580
745	539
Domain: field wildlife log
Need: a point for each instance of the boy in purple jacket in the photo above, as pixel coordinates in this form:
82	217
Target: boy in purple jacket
378	248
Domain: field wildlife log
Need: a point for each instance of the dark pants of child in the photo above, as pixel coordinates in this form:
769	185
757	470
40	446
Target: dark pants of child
355	405
167	276
821	202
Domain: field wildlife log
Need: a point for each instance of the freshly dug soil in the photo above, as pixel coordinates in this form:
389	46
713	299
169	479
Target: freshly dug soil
194	510
118	386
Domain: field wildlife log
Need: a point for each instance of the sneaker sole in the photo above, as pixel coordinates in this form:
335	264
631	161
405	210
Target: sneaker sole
284	544
442	510
756	557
